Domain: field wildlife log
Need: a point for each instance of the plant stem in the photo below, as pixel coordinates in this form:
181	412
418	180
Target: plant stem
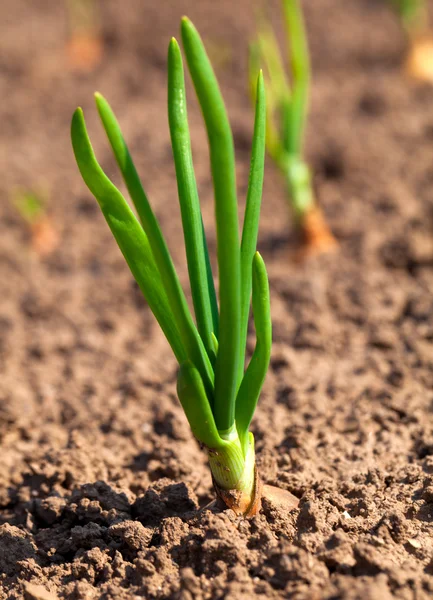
252	382
231	470
252	214
298	179
297	108
231	458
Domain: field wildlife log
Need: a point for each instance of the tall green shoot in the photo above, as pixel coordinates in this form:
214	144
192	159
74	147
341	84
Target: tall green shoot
217	393
288	99
414	16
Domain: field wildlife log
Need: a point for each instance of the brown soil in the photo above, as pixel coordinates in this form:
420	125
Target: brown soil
100	478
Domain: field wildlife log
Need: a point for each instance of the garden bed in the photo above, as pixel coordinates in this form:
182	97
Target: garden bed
100	478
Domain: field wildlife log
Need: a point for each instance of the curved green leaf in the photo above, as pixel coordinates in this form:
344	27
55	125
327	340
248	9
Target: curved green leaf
252	214
255	374
176	298
192	396
127	231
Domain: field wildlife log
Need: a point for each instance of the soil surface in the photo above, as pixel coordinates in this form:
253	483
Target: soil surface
100	478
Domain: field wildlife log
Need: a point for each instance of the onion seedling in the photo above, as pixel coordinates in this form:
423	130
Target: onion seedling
85	46
217	393
414	17
287	109
32	206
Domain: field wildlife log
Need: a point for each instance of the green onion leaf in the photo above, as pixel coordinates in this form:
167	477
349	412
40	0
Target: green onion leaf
274	144
224	181
192	396
254	377
269	50
195	242
127	231
296	111
252	214
176	298
211	287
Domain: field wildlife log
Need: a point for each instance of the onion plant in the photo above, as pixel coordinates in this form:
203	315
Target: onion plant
84	46
217	393
414	17
413	12
32	206
287	111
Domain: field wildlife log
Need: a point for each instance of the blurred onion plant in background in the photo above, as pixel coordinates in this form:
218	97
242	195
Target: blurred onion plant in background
287	113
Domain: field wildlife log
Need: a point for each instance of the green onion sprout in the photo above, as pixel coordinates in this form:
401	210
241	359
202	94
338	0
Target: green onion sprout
85	45
415	21
218	394
32	206
287	111
413	13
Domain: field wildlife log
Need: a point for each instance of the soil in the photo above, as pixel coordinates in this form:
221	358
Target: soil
100	478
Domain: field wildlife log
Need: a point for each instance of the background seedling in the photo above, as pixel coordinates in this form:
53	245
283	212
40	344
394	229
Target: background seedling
33	208
84	46
415	20
217	393
287	110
